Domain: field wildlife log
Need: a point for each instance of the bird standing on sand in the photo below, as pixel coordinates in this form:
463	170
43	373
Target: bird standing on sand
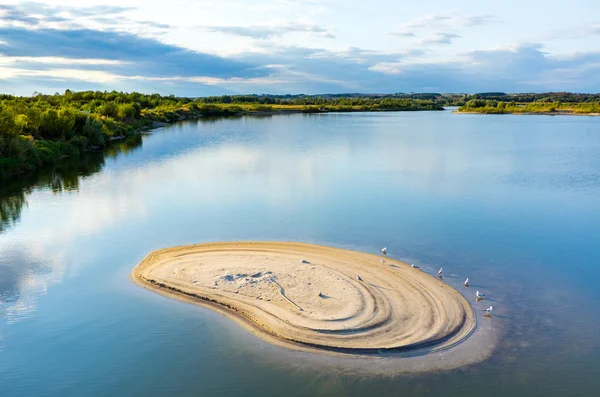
320	294
467	282
382	261
488	311
479	295
384	250
414	266
440	272
359	278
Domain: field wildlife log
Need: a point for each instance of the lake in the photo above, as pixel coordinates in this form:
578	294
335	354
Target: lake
512	202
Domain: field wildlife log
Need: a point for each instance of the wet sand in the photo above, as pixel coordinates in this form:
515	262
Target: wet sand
318	306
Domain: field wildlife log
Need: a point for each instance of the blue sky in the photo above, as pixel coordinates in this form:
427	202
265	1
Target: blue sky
203	47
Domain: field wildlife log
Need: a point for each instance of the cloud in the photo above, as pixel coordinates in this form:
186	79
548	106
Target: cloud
520	68
444	21
266	32
317	70
478	20
119	21
38	15
144	56
404	33
16	14
90	11
37	53
51	60
38	12
440	38
4	60
363	56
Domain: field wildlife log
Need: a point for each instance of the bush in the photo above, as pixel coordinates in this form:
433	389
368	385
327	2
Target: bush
109	109
128	111
92	130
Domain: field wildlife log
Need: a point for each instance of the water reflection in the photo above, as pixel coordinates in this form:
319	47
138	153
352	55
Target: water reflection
22	279
10	208
64	176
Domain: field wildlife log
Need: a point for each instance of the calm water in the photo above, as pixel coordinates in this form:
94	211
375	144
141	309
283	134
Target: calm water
513	202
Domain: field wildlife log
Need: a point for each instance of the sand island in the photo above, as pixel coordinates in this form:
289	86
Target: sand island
315	298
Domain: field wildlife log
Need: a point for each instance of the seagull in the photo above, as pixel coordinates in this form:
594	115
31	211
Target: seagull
488	311
358	278
382	261
478	295
440	272
384	250
467	282
414	266
320	294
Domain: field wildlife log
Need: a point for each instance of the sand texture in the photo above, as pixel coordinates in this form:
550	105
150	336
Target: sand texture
266	287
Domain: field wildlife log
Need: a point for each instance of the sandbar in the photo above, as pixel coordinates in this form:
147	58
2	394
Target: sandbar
309	297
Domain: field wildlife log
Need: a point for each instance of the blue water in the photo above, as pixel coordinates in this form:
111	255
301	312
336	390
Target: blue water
512	202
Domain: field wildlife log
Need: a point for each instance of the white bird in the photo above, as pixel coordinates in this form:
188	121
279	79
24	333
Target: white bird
382	261
479	295
440	272
488	311
467	282
358	278
414	266
384	250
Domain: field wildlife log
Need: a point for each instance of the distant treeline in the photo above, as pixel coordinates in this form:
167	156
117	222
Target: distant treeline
354	99
42	129
545	97
445	99
492	106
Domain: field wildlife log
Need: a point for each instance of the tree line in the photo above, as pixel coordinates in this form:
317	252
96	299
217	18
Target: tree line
492	106
42	129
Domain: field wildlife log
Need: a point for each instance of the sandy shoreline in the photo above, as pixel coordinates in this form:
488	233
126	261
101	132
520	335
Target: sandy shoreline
265	287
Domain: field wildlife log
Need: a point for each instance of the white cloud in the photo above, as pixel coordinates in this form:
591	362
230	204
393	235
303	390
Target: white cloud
4	60
266	31
440	38
60	74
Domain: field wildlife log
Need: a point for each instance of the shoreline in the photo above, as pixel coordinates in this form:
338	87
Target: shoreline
557	113
279	327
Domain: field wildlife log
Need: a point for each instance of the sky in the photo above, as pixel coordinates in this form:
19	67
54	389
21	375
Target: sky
210	47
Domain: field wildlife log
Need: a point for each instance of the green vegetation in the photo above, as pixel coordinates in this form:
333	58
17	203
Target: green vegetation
43	129
489	106
567	97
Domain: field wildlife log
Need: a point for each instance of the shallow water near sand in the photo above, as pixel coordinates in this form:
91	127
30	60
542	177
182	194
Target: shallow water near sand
512	202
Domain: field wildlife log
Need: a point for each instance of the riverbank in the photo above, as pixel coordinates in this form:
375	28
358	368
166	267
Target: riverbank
39	138
317	305
555	113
